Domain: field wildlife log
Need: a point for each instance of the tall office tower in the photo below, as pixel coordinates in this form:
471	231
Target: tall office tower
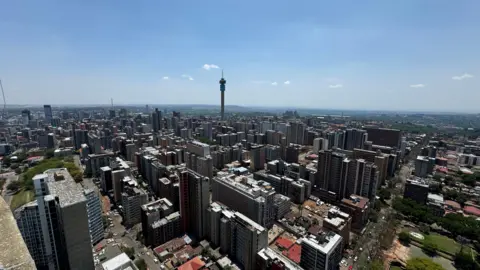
355	138
112	113
48	113
255	199
132	200
157	120
194	201
160	223
384	136
222	91
26	117
257	158
207	129
94	212
247	239
322	252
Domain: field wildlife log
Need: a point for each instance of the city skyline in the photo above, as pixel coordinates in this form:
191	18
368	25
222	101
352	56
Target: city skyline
345	55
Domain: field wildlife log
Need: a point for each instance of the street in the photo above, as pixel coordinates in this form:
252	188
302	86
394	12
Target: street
370	240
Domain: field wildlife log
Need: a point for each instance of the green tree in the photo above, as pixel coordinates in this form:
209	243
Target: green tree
140	263
376	265
14	186
423	264
465	260
50	153
18	170
404	237
78	178
384	194
469	180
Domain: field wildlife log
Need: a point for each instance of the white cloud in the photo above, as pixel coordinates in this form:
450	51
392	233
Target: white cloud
462	77
274	83
187	77
166	78
420	85
335	86
286	82
209	66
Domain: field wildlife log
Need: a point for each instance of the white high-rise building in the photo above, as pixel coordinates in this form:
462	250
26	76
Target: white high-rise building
322	252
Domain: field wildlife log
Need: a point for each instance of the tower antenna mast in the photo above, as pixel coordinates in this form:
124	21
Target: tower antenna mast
4	114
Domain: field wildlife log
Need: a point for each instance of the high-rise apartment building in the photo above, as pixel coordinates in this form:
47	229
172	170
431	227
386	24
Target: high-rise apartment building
236	234
94	212
254	199
40	229
322	252
355	138
132	200
194	201
247	239
159	222
257	157
56	226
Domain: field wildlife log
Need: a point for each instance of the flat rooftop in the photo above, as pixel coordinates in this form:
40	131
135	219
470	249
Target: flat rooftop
66	190
331	241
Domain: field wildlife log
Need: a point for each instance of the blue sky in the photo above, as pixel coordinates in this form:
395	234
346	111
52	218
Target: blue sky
384	54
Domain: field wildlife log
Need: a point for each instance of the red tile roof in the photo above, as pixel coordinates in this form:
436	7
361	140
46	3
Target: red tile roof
453	204
284	243
194	264
472	210
294	253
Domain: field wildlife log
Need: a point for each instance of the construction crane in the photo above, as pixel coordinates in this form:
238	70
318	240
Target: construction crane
4	114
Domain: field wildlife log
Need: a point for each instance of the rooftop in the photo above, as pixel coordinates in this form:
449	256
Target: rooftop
356	201
270	254
194	264
331	240
248	222
121	261
246	184
66	190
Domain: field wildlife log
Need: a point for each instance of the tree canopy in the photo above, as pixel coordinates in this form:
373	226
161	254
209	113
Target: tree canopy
404	237
457	224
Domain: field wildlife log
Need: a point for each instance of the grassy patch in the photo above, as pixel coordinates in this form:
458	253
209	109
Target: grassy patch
22	197
396	268
444	244
47	164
